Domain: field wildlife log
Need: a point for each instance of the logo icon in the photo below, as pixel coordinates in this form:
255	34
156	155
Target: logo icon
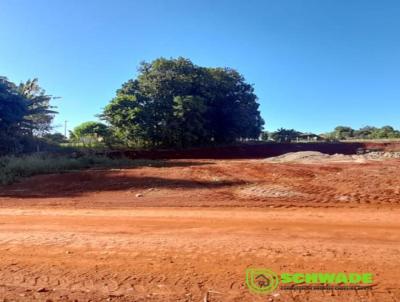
261	281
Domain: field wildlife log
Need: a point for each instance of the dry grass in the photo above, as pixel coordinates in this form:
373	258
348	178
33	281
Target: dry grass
13	168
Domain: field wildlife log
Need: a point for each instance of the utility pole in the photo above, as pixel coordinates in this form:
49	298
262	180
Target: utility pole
65	128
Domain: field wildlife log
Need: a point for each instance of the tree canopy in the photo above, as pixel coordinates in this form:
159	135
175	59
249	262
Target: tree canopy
12	107
174	102
12	111
339	133
25	113
40	112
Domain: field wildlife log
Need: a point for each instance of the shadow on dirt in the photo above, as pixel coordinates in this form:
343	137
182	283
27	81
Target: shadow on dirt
81	182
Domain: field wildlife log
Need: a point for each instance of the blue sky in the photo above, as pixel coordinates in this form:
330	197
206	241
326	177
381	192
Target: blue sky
314	64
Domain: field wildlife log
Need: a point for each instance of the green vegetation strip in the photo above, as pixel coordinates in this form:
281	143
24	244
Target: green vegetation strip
13	168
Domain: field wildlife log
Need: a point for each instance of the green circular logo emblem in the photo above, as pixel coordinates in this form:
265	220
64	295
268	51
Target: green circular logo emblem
261	281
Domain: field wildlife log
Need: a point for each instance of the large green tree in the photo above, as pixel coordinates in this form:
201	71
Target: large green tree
174	102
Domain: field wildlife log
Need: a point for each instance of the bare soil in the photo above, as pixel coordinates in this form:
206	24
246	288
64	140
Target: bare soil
188	229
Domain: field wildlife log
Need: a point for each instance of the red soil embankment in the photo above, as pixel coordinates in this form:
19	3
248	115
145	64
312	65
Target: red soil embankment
259	150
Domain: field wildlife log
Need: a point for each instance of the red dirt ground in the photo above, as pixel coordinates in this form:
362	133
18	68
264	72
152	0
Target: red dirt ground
186	230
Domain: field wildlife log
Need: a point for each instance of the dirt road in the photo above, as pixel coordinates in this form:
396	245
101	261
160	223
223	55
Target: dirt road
186	231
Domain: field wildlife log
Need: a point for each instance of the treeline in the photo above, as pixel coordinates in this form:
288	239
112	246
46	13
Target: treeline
339	133
367	132
25	116
171	103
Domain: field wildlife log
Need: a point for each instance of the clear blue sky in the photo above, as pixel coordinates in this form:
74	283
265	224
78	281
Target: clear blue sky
314	64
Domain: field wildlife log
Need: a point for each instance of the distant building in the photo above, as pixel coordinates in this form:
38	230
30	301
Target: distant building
309	137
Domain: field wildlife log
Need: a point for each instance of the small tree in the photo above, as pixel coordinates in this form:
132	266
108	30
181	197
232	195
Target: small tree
90	133
343	132
365	132
386	132
283	135
265	136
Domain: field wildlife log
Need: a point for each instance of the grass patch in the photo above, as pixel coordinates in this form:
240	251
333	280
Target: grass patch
12	168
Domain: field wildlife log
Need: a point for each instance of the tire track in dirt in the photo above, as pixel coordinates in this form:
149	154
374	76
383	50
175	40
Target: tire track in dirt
177	258
64	241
